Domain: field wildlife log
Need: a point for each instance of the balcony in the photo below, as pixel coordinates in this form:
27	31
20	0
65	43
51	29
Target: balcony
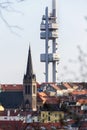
42	26
51	35
51	26
51	57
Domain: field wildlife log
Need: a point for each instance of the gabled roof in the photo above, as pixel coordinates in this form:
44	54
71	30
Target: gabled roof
47	99
82	101
79	92
55	87
11	87
67	85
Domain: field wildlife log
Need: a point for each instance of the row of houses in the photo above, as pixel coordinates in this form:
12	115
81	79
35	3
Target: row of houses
69	108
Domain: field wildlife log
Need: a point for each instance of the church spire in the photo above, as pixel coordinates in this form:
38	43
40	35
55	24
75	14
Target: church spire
29	86
29	69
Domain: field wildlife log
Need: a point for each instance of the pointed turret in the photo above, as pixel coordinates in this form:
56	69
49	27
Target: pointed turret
29	70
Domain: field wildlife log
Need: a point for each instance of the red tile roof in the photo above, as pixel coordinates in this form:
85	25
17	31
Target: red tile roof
11	125
67	85
11	87
47	99
82	101
48	126
42	96
79	92
55	87
51	100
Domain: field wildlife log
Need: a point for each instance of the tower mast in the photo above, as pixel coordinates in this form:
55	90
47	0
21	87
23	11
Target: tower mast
49	29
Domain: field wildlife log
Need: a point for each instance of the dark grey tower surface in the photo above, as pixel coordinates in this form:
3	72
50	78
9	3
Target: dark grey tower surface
29	70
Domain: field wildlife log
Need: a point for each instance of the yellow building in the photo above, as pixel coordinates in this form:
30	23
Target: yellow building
51	116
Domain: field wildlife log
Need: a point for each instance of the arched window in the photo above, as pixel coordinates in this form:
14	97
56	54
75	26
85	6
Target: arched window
27	89
28	92
34	90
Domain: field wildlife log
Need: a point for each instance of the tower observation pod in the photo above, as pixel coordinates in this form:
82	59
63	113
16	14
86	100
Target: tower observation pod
49	33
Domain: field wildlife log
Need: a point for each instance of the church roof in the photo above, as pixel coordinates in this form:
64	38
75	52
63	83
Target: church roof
11	99
11	87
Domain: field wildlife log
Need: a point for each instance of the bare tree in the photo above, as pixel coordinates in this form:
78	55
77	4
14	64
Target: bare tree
8	6
81	62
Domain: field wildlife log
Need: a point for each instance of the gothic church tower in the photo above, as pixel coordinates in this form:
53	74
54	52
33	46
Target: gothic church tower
30	86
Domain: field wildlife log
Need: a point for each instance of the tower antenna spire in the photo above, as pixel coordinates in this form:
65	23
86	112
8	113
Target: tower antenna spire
49	32
54	8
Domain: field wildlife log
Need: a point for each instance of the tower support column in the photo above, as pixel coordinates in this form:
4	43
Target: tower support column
46	48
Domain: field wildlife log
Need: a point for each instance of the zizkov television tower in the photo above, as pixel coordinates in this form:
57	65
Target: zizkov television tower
49	32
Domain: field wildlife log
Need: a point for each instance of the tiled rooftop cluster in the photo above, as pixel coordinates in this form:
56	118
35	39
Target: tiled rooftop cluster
57	105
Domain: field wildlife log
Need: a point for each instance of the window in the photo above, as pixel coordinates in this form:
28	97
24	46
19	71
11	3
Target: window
34	89
48	113
27	89
48	118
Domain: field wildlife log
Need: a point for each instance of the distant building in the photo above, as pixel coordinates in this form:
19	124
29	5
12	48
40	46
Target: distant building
51	116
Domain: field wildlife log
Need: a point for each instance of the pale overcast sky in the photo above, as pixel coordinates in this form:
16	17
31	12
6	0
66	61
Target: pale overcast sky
14	49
